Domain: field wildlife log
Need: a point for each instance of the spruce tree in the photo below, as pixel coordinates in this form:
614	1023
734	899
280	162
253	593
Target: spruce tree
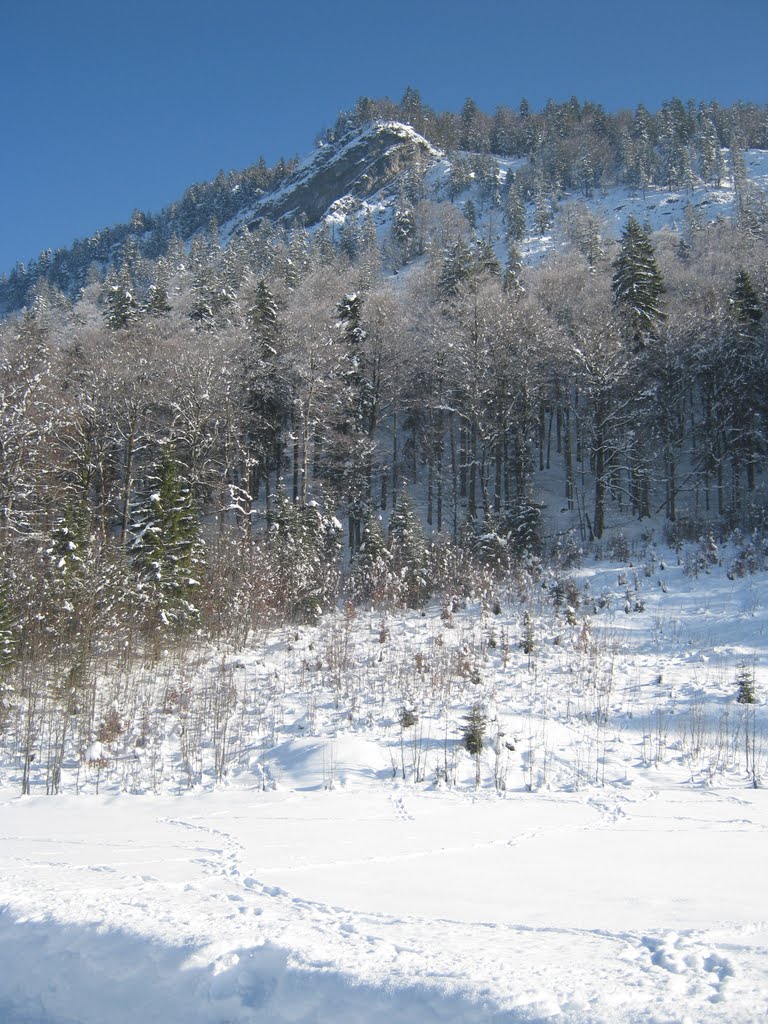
409	552
458	269
486	259
745	304
71	560
349	442
371	570
638	287
745	681
304	542
167	547
121	307
261	318
742	391
514	214
512	279
157	303
404	229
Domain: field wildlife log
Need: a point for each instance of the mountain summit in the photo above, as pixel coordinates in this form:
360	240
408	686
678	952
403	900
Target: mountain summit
538	175
345	174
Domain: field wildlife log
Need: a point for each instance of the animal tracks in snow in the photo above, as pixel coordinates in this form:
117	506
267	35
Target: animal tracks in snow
401	811
702	969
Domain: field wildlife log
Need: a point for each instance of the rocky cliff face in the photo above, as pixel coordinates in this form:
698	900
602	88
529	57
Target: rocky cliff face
359	168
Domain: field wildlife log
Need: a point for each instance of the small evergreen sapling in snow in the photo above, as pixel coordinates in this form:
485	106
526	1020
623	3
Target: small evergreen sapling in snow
528	639
745	681
474	733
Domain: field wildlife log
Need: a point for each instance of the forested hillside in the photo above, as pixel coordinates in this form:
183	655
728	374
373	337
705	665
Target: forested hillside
393	404
383	550
575	147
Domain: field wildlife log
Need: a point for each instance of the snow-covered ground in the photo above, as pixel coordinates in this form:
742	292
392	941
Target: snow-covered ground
348	867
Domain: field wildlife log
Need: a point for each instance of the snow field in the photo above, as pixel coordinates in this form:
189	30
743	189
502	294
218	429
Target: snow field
315	855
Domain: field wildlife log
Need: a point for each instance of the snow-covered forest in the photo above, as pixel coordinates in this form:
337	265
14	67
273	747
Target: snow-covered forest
449	496
385	408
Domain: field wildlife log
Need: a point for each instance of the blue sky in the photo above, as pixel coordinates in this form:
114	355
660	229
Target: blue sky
113	106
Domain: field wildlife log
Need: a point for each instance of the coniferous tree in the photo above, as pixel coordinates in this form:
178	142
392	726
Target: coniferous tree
298	262
371	569
745	681
261	319
637	286
745	377
409	552
514	214
71	557
512	279
121	305
305	543
167	547
349	443
404	229
486	259
458	269
157	303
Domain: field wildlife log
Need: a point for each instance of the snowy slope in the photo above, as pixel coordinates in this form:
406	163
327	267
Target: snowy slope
348	867
659	208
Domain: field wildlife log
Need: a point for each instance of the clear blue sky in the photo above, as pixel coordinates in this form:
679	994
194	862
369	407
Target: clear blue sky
110	106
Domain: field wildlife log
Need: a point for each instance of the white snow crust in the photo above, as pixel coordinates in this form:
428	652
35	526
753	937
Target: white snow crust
617	874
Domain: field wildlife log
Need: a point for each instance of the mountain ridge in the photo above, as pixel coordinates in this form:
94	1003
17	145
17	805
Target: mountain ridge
565	149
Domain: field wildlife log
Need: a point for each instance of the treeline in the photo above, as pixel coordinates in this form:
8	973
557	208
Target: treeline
70	269
571	146
579	145
225	437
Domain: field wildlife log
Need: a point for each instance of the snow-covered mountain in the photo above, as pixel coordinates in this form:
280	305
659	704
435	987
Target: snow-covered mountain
361	173
367	164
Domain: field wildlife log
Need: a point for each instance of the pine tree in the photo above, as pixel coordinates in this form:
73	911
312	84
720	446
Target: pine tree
486	259
474	733
261	319
638	287
167	547
71	561
745	681
409	552
304	542
404	229
745	303
369	254
298	262
458	269
742	391
371	574
470	212
349	442
324	252
512	279
157	303
122	308
514	214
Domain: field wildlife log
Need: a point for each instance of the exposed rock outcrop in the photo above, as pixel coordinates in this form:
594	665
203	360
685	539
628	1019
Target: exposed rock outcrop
359	167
